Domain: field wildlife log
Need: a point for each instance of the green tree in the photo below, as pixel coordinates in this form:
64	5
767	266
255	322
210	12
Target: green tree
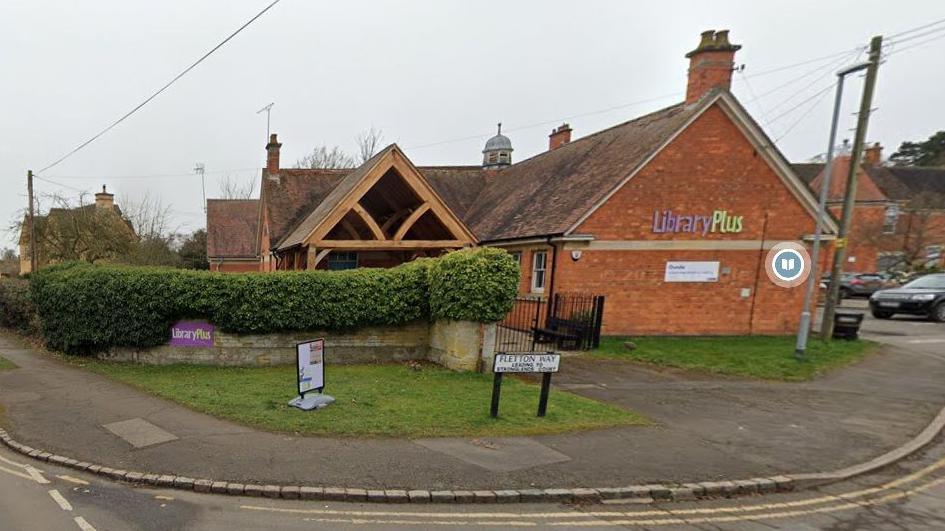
193	251
930	152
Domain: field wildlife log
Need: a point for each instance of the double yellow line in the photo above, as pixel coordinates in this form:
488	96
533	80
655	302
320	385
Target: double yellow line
790	509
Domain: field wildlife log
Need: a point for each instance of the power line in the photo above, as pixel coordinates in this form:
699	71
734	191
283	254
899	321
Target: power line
151	176
916	36
915	45
806	113
159	91
917	28
789	111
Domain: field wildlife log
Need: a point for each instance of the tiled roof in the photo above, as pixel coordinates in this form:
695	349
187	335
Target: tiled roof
318	211
903	183
548	193
866	188
231	227
808	170
291	197
459	186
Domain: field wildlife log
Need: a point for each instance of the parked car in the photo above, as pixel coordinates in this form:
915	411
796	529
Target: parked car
923	296
860	284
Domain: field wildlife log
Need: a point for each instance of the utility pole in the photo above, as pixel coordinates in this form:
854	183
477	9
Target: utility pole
32	225
804	329
199	170
839	255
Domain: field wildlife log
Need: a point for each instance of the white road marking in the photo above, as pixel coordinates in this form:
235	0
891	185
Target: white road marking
63	503
71	479
36	475
16	473
924	341
32	472
83	525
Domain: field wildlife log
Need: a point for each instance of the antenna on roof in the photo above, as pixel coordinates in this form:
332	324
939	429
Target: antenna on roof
268	109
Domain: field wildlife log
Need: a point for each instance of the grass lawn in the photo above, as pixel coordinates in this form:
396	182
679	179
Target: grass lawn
372	400
770	358
6	364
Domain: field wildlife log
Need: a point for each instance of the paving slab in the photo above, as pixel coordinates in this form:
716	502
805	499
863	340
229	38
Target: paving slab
497	455
139	432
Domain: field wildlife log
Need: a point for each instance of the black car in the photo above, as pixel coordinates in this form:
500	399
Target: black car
923	296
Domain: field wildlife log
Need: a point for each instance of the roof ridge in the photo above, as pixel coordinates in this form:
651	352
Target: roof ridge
602	131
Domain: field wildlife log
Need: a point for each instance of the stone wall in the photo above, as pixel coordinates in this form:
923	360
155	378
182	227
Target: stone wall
460	345
457	345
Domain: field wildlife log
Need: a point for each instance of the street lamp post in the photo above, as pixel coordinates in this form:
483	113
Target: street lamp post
813	280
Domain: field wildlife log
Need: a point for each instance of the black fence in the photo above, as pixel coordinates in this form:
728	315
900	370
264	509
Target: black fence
569	321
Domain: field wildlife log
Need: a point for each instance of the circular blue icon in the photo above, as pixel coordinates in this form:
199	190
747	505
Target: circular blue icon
788	265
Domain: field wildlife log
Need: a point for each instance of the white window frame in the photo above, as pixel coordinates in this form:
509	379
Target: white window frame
539	266
890	219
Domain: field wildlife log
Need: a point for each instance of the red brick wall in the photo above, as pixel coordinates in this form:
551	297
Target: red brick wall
709	166
234	267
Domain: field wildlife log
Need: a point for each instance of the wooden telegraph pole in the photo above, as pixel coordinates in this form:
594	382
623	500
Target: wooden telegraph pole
839	254
32	225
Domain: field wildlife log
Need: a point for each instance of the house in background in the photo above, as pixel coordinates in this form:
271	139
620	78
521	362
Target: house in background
93	232
899	211
231	236
615	213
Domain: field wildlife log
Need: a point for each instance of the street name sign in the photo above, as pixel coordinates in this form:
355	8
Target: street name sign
527	362
544	363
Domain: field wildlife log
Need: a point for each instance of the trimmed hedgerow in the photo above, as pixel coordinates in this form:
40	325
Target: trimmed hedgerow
16	306
85	308
473	285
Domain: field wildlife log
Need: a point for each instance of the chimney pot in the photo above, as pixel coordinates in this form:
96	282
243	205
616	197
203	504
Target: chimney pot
873	155
272	156
710	64
104	199
559	136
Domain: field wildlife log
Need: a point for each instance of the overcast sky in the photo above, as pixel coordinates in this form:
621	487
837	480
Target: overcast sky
424	72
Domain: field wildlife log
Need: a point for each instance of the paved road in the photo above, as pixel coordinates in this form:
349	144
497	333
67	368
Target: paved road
909	495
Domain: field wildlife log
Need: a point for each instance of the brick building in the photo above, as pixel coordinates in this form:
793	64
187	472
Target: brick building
899	212
606	214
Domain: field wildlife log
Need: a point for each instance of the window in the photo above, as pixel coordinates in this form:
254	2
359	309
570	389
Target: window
889	221
338	260
933	255
539	266
517	256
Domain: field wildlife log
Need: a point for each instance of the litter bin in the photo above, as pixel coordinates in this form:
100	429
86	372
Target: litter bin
846	325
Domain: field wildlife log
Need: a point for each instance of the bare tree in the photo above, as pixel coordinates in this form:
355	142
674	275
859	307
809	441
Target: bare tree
322	157
232	188
151	220
921	224
79	230
368	143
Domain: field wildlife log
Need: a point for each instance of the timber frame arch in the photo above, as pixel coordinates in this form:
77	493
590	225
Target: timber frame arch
384	208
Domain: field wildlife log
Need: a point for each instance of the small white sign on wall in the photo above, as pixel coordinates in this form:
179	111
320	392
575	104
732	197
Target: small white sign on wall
692	272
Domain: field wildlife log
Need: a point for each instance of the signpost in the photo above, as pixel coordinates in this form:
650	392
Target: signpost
310	361
545	363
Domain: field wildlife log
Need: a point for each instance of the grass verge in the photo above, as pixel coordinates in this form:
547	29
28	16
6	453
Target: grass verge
766	357
6	364
372	400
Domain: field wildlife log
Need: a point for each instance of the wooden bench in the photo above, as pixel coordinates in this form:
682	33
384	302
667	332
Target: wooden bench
562	332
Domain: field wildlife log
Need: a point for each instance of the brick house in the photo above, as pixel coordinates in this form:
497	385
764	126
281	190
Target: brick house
603	214
899	212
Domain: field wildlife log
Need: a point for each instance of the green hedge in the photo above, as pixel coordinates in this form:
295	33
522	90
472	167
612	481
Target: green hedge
16	306
473	285
86	308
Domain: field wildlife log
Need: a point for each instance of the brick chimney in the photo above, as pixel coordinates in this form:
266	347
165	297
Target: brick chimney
559	137
710	64
873	155
104	199
272	155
